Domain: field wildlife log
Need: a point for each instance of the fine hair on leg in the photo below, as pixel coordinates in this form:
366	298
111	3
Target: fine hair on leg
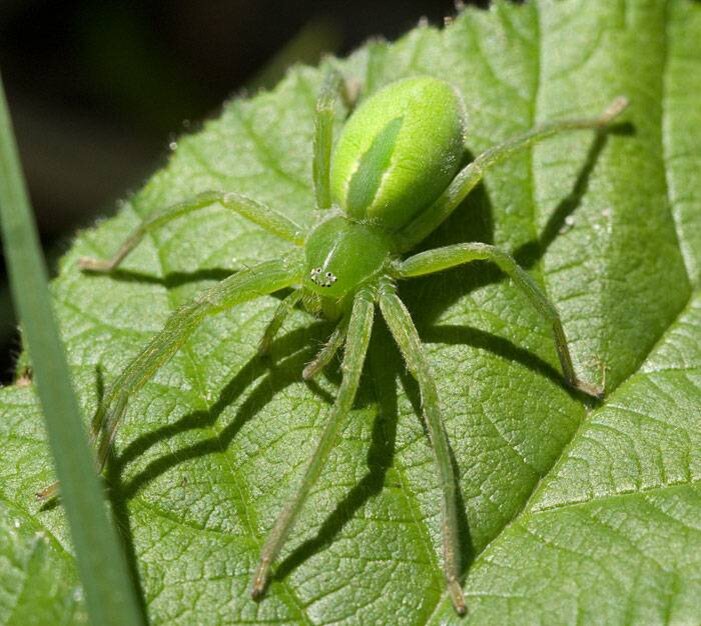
323	138
282	312
268	219
328	351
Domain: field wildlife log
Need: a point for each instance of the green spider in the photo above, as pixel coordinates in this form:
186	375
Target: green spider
393	177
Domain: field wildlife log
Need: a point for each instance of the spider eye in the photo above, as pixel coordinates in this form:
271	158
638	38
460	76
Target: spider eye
325	279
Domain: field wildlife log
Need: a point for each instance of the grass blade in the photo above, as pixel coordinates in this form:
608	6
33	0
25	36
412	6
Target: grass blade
101	563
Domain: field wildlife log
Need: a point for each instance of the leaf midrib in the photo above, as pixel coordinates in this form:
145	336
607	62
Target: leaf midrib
641	492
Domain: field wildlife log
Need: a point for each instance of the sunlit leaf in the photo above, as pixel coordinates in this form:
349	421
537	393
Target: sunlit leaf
572	512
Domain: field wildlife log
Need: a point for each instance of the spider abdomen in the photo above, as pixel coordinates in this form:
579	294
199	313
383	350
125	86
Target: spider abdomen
398	152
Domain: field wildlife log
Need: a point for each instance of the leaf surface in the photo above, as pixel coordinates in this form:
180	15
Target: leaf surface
572	512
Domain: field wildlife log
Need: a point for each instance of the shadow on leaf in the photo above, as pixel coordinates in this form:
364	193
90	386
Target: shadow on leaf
276	378
379	456
171	280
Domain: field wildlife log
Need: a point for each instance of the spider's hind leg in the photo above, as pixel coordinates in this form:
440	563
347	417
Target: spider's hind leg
439	259
407	338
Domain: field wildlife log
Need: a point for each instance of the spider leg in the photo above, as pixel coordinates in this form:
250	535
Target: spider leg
267	218
359	329
323	138
324	356
245	285
333	88
449	256
467	178
281	313
404	333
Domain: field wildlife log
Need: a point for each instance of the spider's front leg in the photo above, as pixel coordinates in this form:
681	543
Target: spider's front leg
440	259
333	88
327	352
268	219
281	314
245	285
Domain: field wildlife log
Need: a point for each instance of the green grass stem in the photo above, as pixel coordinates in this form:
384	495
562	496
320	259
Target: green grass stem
102	566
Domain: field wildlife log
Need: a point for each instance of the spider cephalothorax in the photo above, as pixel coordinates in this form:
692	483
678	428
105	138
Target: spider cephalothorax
392	178
342	254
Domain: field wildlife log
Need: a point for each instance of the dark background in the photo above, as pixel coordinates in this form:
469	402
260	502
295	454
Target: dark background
98	88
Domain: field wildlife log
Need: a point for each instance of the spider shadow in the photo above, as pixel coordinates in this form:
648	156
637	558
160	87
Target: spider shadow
379	459
171	280
274	378
530	253
291	351
387	370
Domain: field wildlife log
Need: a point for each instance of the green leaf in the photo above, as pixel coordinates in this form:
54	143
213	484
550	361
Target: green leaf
572	513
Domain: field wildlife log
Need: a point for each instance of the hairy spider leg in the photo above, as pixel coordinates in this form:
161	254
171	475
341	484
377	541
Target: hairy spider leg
359	330
404	332
245	285
439	259
327	352
333	88
268	219
423	225
323	138
282	312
